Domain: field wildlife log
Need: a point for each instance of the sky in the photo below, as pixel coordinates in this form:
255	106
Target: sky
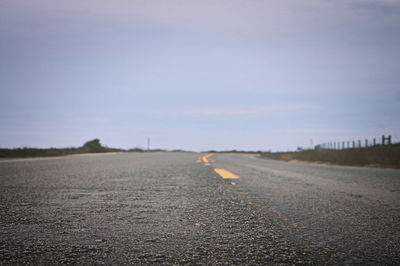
198	74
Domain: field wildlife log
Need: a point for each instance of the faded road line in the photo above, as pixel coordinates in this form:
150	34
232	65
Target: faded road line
225	174
206	158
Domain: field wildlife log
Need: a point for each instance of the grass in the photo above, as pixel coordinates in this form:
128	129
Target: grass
379	156
92	146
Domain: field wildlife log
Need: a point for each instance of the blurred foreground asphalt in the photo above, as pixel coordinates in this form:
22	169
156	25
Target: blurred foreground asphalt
173	208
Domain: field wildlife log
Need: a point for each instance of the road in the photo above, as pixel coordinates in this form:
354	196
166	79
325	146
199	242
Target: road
190	208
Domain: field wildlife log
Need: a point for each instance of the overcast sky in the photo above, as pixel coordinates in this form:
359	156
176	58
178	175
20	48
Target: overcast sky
198	75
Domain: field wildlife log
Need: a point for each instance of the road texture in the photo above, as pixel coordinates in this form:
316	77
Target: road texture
189	208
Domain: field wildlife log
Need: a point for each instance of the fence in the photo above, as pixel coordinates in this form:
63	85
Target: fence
355	144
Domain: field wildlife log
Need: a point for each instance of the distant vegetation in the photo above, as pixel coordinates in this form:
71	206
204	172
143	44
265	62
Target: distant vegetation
381	156
234	151
92	146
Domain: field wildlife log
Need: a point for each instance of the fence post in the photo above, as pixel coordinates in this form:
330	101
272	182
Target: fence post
389	139
359	143
383	139
374	141
366	143
354	144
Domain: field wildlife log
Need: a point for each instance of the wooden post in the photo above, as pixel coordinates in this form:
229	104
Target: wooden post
374	141
383	139
389	139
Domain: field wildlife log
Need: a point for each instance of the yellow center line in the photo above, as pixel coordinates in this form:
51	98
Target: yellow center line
225	174
205	159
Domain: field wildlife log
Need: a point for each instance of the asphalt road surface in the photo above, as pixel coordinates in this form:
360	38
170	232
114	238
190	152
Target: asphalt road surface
189	208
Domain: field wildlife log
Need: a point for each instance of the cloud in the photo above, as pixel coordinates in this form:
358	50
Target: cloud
388	7
222	17
234	110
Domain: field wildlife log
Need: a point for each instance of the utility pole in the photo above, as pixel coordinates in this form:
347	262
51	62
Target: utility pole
148	144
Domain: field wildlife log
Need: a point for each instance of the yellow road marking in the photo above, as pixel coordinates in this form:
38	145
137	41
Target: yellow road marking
225	174
205	159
